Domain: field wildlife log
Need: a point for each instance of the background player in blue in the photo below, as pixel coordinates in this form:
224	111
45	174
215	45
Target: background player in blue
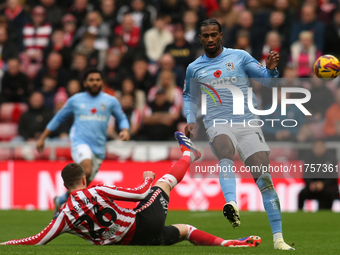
220	66
92	110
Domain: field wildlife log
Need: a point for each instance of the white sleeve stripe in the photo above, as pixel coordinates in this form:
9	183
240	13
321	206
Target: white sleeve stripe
125	194
52	231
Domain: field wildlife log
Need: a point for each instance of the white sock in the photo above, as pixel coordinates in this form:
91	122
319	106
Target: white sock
233	203
189	153
277	235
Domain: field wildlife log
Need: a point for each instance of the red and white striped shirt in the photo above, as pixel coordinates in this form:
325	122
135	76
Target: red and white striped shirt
36	38
91	214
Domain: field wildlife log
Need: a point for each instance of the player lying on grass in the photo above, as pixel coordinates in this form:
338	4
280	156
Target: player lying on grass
93	215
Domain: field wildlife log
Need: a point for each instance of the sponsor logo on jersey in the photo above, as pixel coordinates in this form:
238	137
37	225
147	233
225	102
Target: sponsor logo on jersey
230	66
102	107
85	117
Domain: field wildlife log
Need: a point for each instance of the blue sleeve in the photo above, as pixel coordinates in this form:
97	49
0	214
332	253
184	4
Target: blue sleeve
61	116
119	115
258	72
190	96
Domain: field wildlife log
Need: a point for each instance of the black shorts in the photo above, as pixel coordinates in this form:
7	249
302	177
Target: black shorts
150	220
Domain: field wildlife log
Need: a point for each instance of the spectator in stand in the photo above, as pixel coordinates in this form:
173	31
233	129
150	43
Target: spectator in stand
133	115
289	13
57	44
129	88
160	117
260	15
79	10
53	11
245	22
16	18
14	85
109	13
69	23
48	90
95	25
79	64
62	132
332	115
113	71
166	82
308	22
140	75
142	14
229	15
7	49
190	20
320	185
95	58
321	99
167	63
32	123
336	136
273	42
195	6
332	36
210	6
243	41
36	38
303	54
157	38
128	31
274	130
182	51
73	87
276	23
172	8
53	67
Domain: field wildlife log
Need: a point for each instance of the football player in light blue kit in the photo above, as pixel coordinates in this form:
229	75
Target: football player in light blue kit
92	110
221	66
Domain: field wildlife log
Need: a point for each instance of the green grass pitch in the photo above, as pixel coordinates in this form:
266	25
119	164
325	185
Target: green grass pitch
310	233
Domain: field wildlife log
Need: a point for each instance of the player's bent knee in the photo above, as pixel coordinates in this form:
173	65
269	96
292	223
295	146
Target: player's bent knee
169	179
190	229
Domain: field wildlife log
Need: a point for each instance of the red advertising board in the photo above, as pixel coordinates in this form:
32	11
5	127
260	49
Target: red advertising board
32	185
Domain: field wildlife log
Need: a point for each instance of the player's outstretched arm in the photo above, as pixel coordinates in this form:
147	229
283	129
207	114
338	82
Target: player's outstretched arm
41	141
54	229
263	75
127	194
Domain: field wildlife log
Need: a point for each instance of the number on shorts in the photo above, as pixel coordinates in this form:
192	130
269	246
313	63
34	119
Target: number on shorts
260	137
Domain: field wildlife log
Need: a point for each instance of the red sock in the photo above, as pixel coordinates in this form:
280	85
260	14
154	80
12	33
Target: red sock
198	237
179	169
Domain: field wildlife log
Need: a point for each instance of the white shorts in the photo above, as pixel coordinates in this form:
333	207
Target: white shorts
246	140
82	152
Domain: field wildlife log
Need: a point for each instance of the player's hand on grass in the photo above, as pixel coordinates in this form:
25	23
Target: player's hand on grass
272	60
124	135
148	174
190	129
40	145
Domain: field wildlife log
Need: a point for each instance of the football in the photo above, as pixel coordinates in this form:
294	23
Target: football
327	67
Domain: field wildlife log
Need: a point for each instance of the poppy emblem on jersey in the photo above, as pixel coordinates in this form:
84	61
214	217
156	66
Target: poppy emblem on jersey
230	66
93	110
217	74
102	107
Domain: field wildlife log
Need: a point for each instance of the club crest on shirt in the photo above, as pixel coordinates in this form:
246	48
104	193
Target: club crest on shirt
230	66
102	107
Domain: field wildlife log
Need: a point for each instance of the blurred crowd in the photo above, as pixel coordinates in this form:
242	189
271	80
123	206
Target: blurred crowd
143	48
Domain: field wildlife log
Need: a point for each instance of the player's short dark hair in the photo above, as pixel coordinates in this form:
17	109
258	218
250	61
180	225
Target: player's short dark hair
208	22
90	70
71	174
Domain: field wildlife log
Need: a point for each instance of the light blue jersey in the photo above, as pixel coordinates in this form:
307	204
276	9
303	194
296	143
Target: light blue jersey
210	75
91	118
